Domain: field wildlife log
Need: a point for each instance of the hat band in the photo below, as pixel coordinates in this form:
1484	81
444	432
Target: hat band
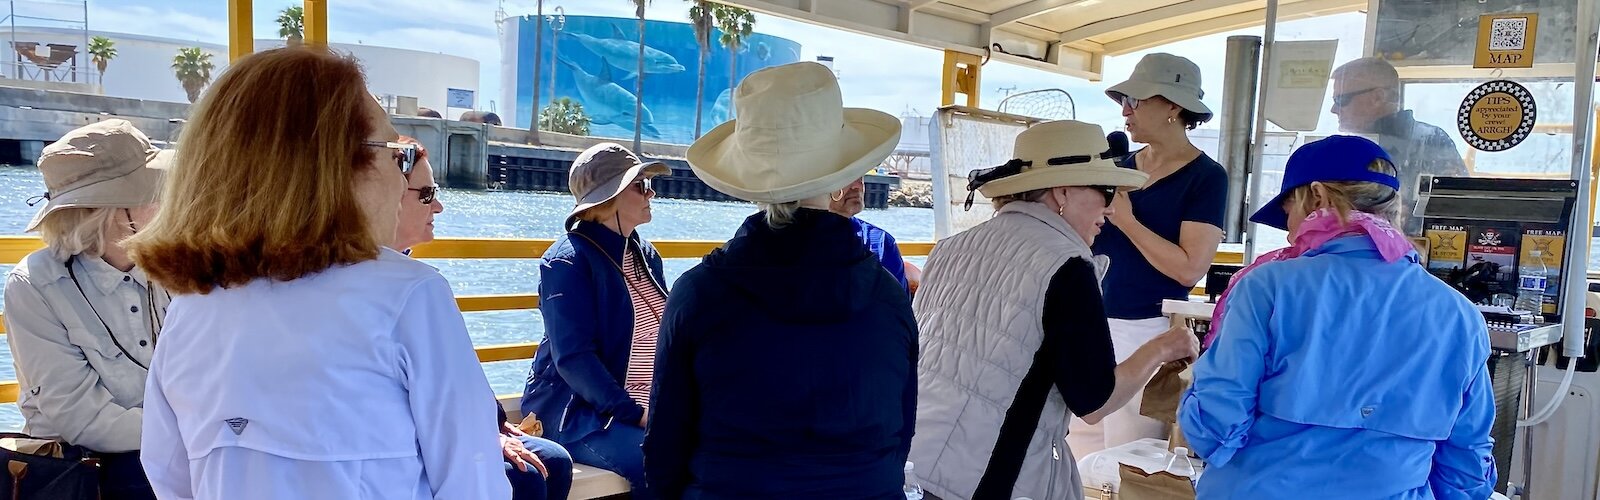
977	178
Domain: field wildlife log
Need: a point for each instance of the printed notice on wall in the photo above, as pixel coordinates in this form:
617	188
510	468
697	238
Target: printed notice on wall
1447	247
1297	85
1506	40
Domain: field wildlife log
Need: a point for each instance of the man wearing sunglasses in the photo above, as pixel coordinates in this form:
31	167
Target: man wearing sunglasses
1366	98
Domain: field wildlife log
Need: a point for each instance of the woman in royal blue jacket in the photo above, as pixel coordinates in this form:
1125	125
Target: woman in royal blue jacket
1341	369
602	296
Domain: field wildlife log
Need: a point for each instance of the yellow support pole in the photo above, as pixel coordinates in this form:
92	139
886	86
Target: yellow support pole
241	32
1594	174
316	22
962	72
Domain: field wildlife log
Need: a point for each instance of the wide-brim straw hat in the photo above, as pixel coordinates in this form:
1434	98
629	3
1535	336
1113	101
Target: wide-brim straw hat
1171	77
108	164
1076	148
793	138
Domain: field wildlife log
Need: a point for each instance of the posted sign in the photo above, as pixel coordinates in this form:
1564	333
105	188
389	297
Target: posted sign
1506	40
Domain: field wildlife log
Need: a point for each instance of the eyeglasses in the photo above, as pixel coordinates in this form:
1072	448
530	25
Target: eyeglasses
427	194
644	185
1110	192
405	155
1344	99
1129	102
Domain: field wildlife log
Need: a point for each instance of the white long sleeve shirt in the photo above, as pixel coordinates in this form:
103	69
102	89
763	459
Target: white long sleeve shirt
75	382
358	382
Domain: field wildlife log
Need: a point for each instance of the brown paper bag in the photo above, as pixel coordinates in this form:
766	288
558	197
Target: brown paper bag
1165	392
1136	485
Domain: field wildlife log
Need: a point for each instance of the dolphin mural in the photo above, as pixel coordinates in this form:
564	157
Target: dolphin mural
723	110
623	53
608	103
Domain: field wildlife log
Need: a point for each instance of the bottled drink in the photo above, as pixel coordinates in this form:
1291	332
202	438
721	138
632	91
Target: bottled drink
913	488
1531	283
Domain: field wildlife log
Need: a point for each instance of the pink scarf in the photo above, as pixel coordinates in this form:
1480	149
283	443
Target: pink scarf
1318	229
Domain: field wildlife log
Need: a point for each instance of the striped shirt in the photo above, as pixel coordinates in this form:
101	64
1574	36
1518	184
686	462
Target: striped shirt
648	304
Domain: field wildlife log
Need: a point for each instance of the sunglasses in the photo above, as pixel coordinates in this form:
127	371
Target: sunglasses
1344	99
1130	102
644	185
1110	192
405	155
426	195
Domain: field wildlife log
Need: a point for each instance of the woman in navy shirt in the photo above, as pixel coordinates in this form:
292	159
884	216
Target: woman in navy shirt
1162	238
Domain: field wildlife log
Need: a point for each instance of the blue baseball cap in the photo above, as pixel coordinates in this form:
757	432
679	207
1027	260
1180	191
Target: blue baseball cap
1339	158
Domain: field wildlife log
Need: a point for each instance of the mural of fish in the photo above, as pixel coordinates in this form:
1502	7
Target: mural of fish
608	103
624	54
723	110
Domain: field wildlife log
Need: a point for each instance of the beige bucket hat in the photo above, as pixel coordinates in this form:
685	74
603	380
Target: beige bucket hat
602	172
109	164
1172	77
793	138
1059	153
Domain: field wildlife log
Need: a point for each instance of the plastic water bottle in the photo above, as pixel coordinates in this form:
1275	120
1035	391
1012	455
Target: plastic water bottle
913	488
1531	285
1180	465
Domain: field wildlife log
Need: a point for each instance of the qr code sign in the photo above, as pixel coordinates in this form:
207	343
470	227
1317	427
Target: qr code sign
1508	34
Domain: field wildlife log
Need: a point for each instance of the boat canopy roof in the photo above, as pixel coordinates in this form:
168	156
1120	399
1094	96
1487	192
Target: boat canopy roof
1069	37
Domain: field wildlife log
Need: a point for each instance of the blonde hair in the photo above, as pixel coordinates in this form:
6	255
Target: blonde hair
264	185
77	231
780	215
1369	197
599	214
1035	195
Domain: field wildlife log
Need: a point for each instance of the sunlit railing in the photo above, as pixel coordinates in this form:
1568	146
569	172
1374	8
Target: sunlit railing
14	248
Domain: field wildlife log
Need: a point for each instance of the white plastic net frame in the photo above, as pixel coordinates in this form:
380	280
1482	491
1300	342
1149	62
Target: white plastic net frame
1048	104
966	139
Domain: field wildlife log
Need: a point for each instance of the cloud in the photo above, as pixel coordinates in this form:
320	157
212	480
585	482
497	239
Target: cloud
185	24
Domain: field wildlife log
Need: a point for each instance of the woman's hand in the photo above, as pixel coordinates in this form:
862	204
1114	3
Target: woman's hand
506	429
1178	343
519	455
1122	210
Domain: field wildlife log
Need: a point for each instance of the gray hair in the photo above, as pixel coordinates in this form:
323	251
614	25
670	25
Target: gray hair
76	231
780	215
1035	195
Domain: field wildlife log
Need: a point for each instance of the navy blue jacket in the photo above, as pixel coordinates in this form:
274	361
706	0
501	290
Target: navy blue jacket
575	386
786	368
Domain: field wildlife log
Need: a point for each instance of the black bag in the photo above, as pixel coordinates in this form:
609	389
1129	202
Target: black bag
44	469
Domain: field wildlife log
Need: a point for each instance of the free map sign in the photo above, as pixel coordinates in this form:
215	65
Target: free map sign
459	98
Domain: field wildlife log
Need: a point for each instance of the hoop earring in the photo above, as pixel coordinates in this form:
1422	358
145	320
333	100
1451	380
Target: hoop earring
837	196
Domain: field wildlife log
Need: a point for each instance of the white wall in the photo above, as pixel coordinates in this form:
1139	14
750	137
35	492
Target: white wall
143	66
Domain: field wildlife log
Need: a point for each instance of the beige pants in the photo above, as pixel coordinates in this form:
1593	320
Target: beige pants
1125	425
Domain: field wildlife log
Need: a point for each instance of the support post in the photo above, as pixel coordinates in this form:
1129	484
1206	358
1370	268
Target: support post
1239	80
316	22
962	75
241	32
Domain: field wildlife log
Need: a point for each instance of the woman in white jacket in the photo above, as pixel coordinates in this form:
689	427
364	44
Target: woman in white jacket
1013	335
301	357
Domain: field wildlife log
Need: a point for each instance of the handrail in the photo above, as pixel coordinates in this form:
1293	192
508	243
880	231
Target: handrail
14	248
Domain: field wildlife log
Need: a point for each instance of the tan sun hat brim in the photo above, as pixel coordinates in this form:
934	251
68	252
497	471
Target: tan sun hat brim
1094	173
138	188
610	188
1181	96
867	137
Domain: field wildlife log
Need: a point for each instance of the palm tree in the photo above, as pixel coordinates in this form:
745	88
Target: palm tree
700	17
565	116
638	81
291	24
737	25
102	50
193	68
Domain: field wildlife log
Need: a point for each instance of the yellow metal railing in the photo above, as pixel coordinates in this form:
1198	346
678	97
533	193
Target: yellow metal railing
14	248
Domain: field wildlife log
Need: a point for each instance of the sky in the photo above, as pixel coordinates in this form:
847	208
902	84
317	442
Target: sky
886	75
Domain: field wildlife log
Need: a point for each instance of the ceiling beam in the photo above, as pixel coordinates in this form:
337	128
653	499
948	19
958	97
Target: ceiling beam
1095	29
1027	10
917	4
1221	24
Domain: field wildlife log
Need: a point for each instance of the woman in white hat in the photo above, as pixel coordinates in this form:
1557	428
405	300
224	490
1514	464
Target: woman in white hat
787	359
81	319
1014	337
602	293
1164	234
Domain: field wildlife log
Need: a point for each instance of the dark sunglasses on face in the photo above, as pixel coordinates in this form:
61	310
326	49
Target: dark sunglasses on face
1130	102
426	195
1344	99
643	185
405	155
1110	192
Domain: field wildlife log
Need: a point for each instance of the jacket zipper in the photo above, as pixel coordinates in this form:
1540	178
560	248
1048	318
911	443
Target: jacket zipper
1055	458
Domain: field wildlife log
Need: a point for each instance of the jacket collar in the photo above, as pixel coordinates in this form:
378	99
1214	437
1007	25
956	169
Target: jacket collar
1400	124
1044	214
612	243
94	271
1356	246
